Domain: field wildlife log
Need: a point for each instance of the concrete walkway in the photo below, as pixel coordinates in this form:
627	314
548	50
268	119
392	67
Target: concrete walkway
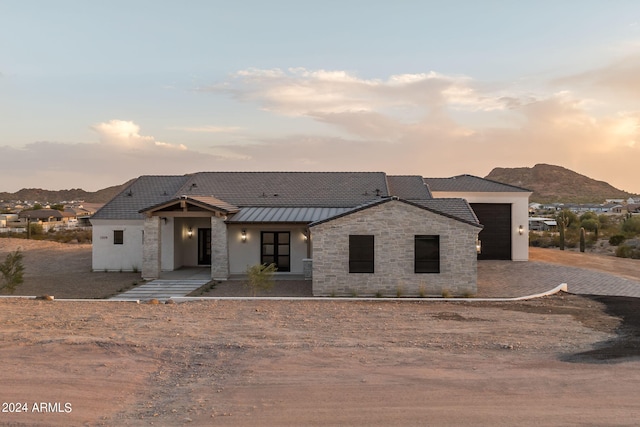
171	284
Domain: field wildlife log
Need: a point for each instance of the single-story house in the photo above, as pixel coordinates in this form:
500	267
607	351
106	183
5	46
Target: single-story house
349	232
542	224
502	209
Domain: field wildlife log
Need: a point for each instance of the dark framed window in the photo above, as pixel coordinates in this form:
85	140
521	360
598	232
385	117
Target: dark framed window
361	254
118	237
427	254
275	249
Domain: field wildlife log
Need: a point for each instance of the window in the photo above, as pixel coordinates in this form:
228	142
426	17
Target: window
118	237
427	254
275	249
360	254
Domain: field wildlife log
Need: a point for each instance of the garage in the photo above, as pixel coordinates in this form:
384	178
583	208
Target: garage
503	209
495	237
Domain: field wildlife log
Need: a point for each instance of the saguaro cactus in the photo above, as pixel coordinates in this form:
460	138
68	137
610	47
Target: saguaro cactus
582	239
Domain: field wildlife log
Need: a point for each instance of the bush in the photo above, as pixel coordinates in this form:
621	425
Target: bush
261	277
616	239
627	251
589	224
631	226
12	271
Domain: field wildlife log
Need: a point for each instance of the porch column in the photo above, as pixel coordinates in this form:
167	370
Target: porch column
219	249
151	248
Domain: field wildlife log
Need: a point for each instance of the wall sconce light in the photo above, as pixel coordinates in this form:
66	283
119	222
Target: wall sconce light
243	235
478	246
190	232
520	230
305	235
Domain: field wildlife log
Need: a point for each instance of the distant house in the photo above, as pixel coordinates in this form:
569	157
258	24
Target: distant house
502	209
350	232
542	224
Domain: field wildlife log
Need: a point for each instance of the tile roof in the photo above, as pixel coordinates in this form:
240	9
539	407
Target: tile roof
145	191
451	207
470	183
408	187
299	189
209	203
454	208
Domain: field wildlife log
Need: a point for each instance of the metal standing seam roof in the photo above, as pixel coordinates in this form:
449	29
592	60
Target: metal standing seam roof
470	183
261	214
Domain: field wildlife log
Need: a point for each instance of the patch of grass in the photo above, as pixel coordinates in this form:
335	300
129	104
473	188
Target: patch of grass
446	293
422	291
379	294
399	292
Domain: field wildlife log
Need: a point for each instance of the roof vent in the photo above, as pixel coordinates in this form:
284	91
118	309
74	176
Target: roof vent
129	193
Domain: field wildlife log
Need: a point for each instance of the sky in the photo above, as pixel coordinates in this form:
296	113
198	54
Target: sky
94	93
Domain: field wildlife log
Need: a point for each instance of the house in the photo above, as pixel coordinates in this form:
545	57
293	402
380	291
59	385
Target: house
501	208
355	232
542	224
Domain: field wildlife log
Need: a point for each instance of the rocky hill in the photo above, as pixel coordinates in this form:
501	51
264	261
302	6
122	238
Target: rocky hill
48	196
551	183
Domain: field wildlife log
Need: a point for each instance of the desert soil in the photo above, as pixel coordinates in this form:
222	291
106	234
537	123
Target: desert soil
561	360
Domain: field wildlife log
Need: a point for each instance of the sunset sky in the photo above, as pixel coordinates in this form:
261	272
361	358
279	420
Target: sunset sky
94	93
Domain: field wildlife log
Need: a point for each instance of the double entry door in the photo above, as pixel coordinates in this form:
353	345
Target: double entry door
275	248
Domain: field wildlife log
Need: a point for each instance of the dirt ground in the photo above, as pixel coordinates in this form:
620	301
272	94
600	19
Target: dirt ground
561	360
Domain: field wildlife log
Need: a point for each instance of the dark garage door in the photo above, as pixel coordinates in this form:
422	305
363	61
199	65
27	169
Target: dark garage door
496	234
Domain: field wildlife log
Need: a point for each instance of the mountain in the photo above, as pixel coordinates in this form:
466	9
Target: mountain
48	196
551	183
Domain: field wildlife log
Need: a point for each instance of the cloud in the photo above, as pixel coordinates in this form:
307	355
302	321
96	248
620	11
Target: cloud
302	92
621	79
126	134
121	153
209	129
434	124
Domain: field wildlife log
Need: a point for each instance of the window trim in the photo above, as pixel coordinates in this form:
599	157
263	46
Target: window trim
426	263
361	253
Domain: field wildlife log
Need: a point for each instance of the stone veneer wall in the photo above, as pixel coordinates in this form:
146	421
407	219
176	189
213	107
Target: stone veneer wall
219	249
151	248
394	225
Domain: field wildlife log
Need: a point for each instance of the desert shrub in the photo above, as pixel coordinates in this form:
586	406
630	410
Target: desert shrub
36	229
631	226
589	224
260	277
12	271
616	239
629	250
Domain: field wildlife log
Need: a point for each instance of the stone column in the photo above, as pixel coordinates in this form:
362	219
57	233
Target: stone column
219	249
151	248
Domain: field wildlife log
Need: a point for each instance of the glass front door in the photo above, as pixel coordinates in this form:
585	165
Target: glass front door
204	246
275	249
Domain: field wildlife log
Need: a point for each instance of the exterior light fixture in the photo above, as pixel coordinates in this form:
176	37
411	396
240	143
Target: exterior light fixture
190	232
520	230
478	246
243	235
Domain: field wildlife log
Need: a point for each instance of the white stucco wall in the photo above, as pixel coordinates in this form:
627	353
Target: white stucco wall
519	202
243	255
110	257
